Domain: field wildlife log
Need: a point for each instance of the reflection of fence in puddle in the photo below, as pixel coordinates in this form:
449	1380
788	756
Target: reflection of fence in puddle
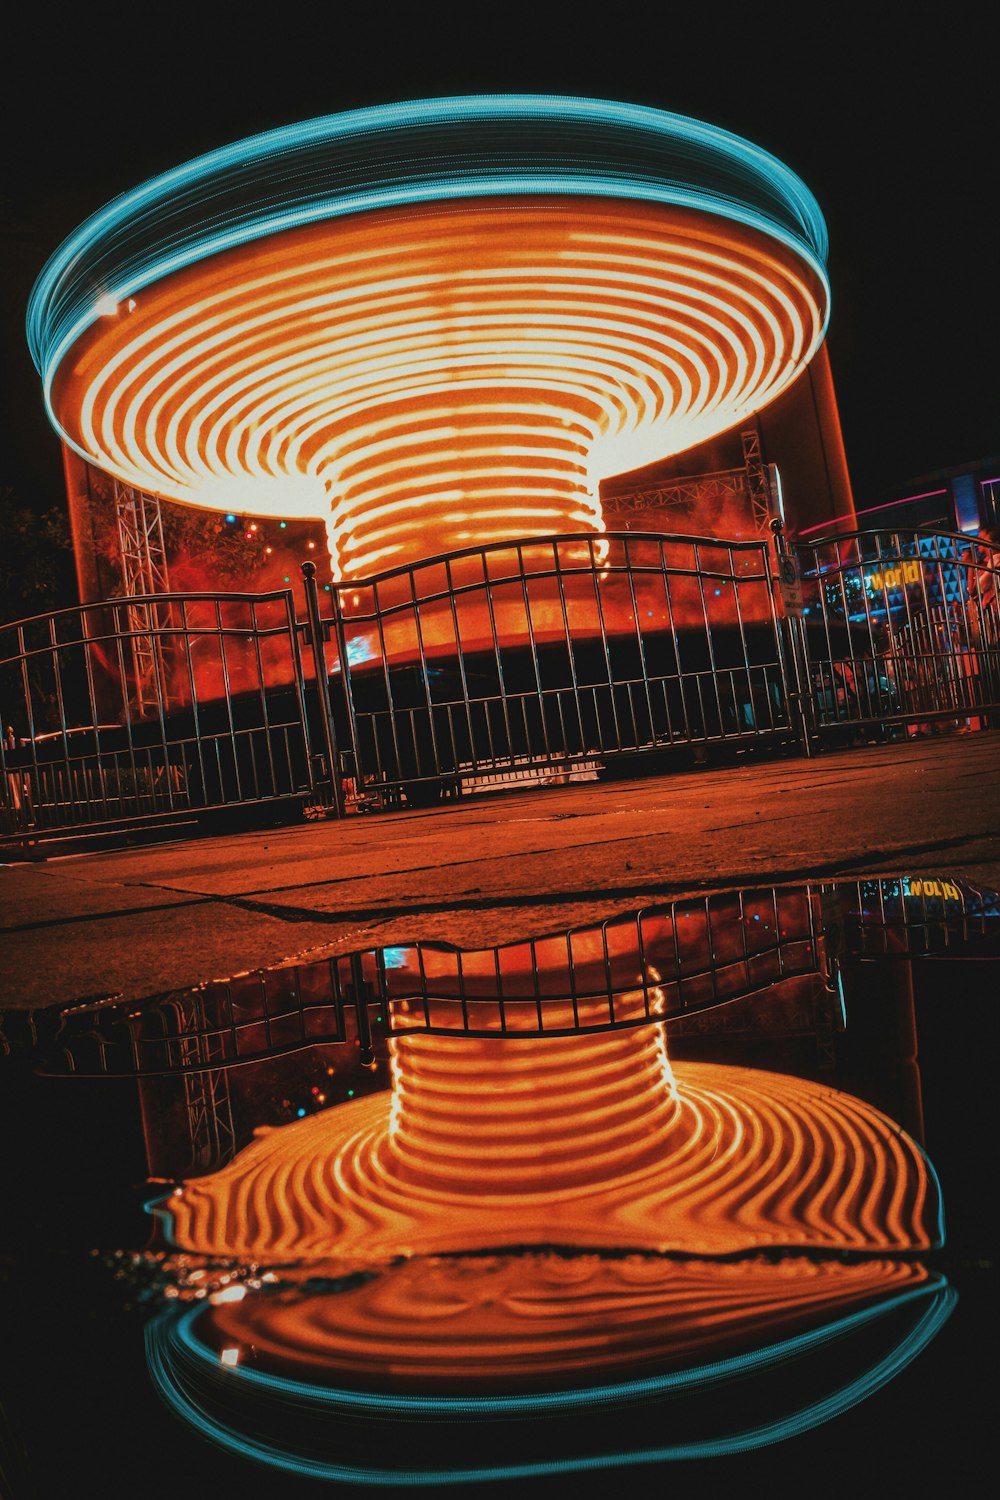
545	1217
716	1225
662	963
646	966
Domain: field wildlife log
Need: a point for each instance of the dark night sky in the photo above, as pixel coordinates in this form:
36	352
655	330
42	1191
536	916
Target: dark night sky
897	138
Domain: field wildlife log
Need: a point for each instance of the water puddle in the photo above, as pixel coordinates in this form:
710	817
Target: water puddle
699	1185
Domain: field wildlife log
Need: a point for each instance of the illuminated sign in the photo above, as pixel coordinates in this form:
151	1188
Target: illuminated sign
895	577
941	888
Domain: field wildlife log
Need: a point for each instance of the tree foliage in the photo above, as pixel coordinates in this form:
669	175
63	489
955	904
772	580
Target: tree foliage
37	571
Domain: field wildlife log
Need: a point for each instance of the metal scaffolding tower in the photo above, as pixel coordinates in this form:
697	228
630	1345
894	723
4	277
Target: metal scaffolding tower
207	1100
758	482
697	491
144	573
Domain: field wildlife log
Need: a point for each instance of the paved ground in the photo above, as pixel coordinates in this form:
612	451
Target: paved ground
491	868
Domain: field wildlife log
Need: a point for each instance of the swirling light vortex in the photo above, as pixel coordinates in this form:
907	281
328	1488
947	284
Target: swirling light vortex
433	324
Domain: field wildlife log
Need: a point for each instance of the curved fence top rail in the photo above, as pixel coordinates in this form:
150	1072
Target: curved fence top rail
129	601
965	539
593	540
986	557
263	1012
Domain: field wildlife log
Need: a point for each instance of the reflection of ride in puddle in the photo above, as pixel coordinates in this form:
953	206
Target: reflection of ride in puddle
545	1225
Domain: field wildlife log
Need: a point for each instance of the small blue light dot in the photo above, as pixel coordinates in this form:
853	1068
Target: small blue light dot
326	588
350	1093
756	916
282	525
300	1113
717	593
231	518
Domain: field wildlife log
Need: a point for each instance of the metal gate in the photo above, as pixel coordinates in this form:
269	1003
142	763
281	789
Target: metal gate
556	653
150	708
901	632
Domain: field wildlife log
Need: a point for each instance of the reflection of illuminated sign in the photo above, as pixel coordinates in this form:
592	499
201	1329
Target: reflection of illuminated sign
942	888
893	578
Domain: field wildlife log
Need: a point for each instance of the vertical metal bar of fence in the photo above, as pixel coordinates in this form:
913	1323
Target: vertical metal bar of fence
640	950
640	642
390	705
463	678
746	653
264	706
426	680
100	776
713	671
129	736
606	648
790	647
629	682
316	641
675	642
501	682
536	989
872	635
299	680
534	653
159	681
575	686
199	752
29	712
463	998
118	636
57	678
221	634
873	638
573	989
337	616
744	944
501	998
360	1008
824	603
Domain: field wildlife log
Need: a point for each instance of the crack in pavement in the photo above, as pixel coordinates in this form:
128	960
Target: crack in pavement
286	912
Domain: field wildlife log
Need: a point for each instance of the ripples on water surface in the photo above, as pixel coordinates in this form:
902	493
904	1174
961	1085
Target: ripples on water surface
703	1249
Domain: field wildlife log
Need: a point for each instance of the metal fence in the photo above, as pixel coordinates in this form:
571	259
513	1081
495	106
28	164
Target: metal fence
150	708
554	652
901	632
666	962
556	656
657	964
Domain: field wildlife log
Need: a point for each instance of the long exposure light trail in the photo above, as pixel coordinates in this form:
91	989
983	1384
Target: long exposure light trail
702	1258
190	1376
723	1225
432	325
548	1148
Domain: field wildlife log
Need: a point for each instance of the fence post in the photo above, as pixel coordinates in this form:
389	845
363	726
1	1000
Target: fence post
316	640
360	992
796	686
